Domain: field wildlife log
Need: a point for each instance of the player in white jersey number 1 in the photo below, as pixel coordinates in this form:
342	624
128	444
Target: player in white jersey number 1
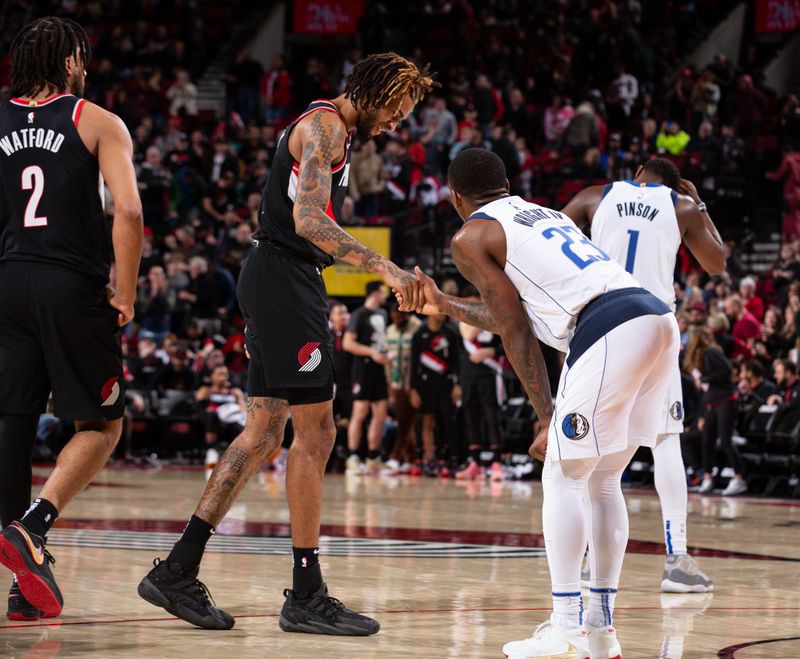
641	224
540	277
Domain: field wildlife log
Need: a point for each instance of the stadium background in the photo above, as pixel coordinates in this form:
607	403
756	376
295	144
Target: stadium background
567	93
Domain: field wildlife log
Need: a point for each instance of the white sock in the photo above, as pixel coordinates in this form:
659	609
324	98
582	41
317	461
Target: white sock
601	606
564	485
568	605
670	478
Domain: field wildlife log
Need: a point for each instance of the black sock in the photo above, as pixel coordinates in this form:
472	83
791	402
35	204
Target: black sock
373	455
475	453
188	551
307	573
352	452
495	454
40	517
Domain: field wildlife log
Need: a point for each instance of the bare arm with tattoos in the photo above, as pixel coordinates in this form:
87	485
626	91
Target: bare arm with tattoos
321	138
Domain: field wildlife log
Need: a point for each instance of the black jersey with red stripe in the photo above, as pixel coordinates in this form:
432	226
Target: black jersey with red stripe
277	202
434	354
51	204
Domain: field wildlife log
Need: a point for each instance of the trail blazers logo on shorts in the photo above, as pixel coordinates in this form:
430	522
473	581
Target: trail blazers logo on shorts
676	410
575	426
110	392
309	357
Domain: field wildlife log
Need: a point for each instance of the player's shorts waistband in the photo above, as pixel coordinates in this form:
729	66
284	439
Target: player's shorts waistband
288	252
610	310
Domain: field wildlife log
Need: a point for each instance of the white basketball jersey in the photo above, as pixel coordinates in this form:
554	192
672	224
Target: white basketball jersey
555	268
636	225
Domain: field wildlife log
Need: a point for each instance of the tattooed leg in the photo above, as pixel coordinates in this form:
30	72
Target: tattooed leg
262	435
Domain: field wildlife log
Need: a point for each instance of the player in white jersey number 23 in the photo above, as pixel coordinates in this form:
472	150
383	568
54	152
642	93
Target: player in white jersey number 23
540	277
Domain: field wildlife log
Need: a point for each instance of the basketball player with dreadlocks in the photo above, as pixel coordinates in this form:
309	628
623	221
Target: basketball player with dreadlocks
283	299
59	322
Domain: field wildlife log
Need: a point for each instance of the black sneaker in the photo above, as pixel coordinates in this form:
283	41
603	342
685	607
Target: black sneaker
181	593
322	614
25	555
18	607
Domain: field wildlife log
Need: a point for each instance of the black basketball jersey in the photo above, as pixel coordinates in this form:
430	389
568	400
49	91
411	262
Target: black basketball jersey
277	202
51	205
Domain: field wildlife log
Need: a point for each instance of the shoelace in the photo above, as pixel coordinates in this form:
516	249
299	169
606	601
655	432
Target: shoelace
329	606
198	588
47	555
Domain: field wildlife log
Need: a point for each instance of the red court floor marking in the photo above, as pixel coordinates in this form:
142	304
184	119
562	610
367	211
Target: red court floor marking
396	611
730	651
500	538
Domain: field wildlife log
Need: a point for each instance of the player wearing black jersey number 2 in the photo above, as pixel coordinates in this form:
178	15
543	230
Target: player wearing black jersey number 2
59	322
282	296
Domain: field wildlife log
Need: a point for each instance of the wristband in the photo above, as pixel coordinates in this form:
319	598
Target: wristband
701	206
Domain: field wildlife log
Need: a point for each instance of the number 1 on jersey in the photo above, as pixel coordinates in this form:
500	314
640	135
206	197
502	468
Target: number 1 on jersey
633	241
33	179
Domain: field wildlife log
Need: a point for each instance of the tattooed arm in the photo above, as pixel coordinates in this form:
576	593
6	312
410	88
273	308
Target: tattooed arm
501	311
466	311
322	137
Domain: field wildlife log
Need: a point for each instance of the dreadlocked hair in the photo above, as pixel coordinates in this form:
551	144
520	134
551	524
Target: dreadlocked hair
383	79
39	53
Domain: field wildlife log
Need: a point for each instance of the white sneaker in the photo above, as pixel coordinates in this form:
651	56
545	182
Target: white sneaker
735	486
603	643
551	641
212	457
374	467
353	466
706	487
681	575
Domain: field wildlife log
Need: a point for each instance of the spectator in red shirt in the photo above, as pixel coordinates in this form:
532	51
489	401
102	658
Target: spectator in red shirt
276	90
753	303
746	326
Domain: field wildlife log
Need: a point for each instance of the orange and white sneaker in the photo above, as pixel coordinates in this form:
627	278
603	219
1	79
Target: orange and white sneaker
551	641
25	555
472	472
603	643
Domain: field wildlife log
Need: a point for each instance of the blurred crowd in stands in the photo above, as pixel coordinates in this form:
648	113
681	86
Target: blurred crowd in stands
566	93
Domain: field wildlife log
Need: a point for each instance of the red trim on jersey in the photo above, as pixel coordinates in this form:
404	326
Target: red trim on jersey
329	211
76	112
37	104
333	108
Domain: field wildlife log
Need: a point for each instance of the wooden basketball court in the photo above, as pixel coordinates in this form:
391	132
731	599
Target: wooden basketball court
449	569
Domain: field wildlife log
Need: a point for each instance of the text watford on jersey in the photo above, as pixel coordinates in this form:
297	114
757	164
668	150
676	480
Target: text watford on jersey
28	138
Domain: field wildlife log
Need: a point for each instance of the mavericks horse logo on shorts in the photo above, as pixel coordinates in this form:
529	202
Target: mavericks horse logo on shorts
676	411
309	357
575	426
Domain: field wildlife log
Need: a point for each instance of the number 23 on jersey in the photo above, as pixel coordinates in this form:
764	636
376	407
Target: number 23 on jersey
580	251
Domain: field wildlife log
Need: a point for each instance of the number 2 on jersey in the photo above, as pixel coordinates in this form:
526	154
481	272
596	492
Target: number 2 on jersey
633	241
33	179
595	255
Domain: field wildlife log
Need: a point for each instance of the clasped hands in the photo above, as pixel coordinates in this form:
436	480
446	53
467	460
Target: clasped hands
419	294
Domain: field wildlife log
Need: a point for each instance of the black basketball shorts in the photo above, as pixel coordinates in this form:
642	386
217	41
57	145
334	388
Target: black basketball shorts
480	392
285	306
369	380
58	333
431	391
